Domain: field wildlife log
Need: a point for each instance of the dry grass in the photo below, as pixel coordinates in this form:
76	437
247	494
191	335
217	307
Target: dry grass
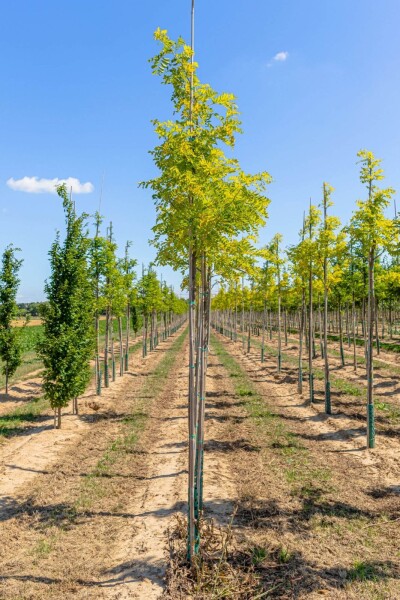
222	570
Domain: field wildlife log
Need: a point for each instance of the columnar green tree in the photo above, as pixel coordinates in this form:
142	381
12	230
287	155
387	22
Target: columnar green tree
10	337
69	340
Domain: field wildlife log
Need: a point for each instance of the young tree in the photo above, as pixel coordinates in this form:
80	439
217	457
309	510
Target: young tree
375	233
332	247
113	299
98	260
10	337
204	203
276	263
69	340
127	266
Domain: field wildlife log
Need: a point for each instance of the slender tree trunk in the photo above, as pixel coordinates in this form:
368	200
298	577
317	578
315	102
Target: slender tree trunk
121	351
192	402
285	326
370	375
112	346
98	371
279	366
243	346
127	340
106	344
348	325
321	344
263	335
328	407
236	315
341	334
310	337
354	334
249	330
378	350
301	337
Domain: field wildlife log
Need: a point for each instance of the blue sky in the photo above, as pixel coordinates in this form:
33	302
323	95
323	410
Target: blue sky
77	98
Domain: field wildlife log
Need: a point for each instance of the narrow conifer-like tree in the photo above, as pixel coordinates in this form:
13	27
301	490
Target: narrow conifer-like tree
69	338
10	337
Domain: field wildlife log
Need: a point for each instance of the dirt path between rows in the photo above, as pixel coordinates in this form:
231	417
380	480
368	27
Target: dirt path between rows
48	505
38	445
143	548
30	386
139	558
337	432
318	504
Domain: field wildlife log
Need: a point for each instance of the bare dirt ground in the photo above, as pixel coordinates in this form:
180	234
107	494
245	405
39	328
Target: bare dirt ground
314	513
31	323
349	410
49	493
324	509
30	388
20	393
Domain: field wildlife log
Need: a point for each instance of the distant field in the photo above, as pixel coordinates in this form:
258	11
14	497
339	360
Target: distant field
32	323
30	337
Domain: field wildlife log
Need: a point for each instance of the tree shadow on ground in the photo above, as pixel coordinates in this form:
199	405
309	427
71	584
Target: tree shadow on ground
129	571
222	405
384	492
24	425
293	576
225	418
67	515
220	394
228	446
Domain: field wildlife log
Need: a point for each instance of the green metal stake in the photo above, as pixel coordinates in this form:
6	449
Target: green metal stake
328	408
99	383
311	379
370	426
106	375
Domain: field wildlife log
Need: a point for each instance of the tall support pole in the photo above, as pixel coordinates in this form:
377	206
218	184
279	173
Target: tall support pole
192	400
328	407
310	318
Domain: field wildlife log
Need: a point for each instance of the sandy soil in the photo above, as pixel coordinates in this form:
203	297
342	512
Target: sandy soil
30	387
115	528
386	391
20	393
326	525
31	323
142	550
41	482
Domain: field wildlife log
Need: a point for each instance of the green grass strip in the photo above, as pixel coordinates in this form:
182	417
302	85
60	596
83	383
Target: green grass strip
298	470
14	422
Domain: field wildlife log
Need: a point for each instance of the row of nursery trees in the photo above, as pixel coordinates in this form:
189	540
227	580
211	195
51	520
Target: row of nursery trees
335	280
95	305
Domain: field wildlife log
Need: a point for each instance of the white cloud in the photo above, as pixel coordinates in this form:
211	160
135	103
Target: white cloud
34	185
281	56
